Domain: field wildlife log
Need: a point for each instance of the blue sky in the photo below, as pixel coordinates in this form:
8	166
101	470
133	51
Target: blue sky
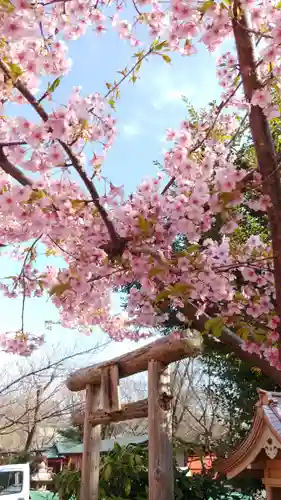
144	112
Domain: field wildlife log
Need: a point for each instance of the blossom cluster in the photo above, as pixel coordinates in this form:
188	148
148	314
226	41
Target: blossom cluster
22	344
66	214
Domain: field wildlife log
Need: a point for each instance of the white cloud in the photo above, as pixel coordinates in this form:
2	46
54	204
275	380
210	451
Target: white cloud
164	85
171	95
168	87
131	129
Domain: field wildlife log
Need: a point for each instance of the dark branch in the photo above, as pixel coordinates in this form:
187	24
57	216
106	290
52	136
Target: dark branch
117	244
115	239
12	170
233	342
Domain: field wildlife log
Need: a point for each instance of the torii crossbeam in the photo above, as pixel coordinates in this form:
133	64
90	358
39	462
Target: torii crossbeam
101	382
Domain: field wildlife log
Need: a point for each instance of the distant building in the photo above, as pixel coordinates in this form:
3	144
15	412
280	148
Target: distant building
66	453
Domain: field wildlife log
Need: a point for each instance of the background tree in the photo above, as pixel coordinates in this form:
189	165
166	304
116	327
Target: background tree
35	401
72	433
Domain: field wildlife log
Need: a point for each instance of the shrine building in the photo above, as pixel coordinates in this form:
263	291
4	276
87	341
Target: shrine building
259	455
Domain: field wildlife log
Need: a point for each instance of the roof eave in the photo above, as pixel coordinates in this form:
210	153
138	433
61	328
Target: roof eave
248	449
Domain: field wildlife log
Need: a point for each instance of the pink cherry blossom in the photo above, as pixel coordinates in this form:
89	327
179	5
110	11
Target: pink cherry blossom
262	98
106	237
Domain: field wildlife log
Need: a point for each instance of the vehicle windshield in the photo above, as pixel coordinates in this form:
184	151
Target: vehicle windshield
11	482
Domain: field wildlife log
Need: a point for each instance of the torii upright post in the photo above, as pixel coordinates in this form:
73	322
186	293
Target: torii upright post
91	448
102	381
160	448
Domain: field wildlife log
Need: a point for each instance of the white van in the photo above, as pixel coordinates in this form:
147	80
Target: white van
14	482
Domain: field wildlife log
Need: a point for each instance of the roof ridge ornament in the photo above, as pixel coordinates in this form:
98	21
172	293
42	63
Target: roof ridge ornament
265	397
271	447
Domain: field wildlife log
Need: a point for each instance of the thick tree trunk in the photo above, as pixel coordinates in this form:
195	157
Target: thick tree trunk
32	430
267	161
29	438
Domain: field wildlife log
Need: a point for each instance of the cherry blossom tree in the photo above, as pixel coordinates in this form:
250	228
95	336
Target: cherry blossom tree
108	241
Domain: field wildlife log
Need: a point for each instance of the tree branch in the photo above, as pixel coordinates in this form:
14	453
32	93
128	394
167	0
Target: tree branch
24	91
234	342
50	365
264	146
23	277
139	60
118	244
12	170
12	143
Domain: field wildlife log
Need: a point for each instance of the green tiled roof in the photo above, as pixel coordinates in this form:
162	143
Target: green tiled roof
51	452
64	447
68	447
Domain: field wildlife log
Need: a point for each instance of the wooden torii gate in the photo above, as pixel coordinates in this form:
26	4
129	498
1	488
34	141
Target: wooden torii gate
103	406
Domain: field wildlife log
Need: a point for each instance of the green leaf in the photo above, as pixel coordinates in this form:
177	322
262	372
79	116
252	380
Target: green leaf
7	6
127	487
117	448
236	80
166	58
192	248
207	5
112	104
138	459
162	295
107	471
131	460
53	86
102	492
59	289
243	333
139	55
50	251
78	204
144	224
227	197
179	289
15	69
160	45
37	194
138	66
155	271
260	334
215	326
